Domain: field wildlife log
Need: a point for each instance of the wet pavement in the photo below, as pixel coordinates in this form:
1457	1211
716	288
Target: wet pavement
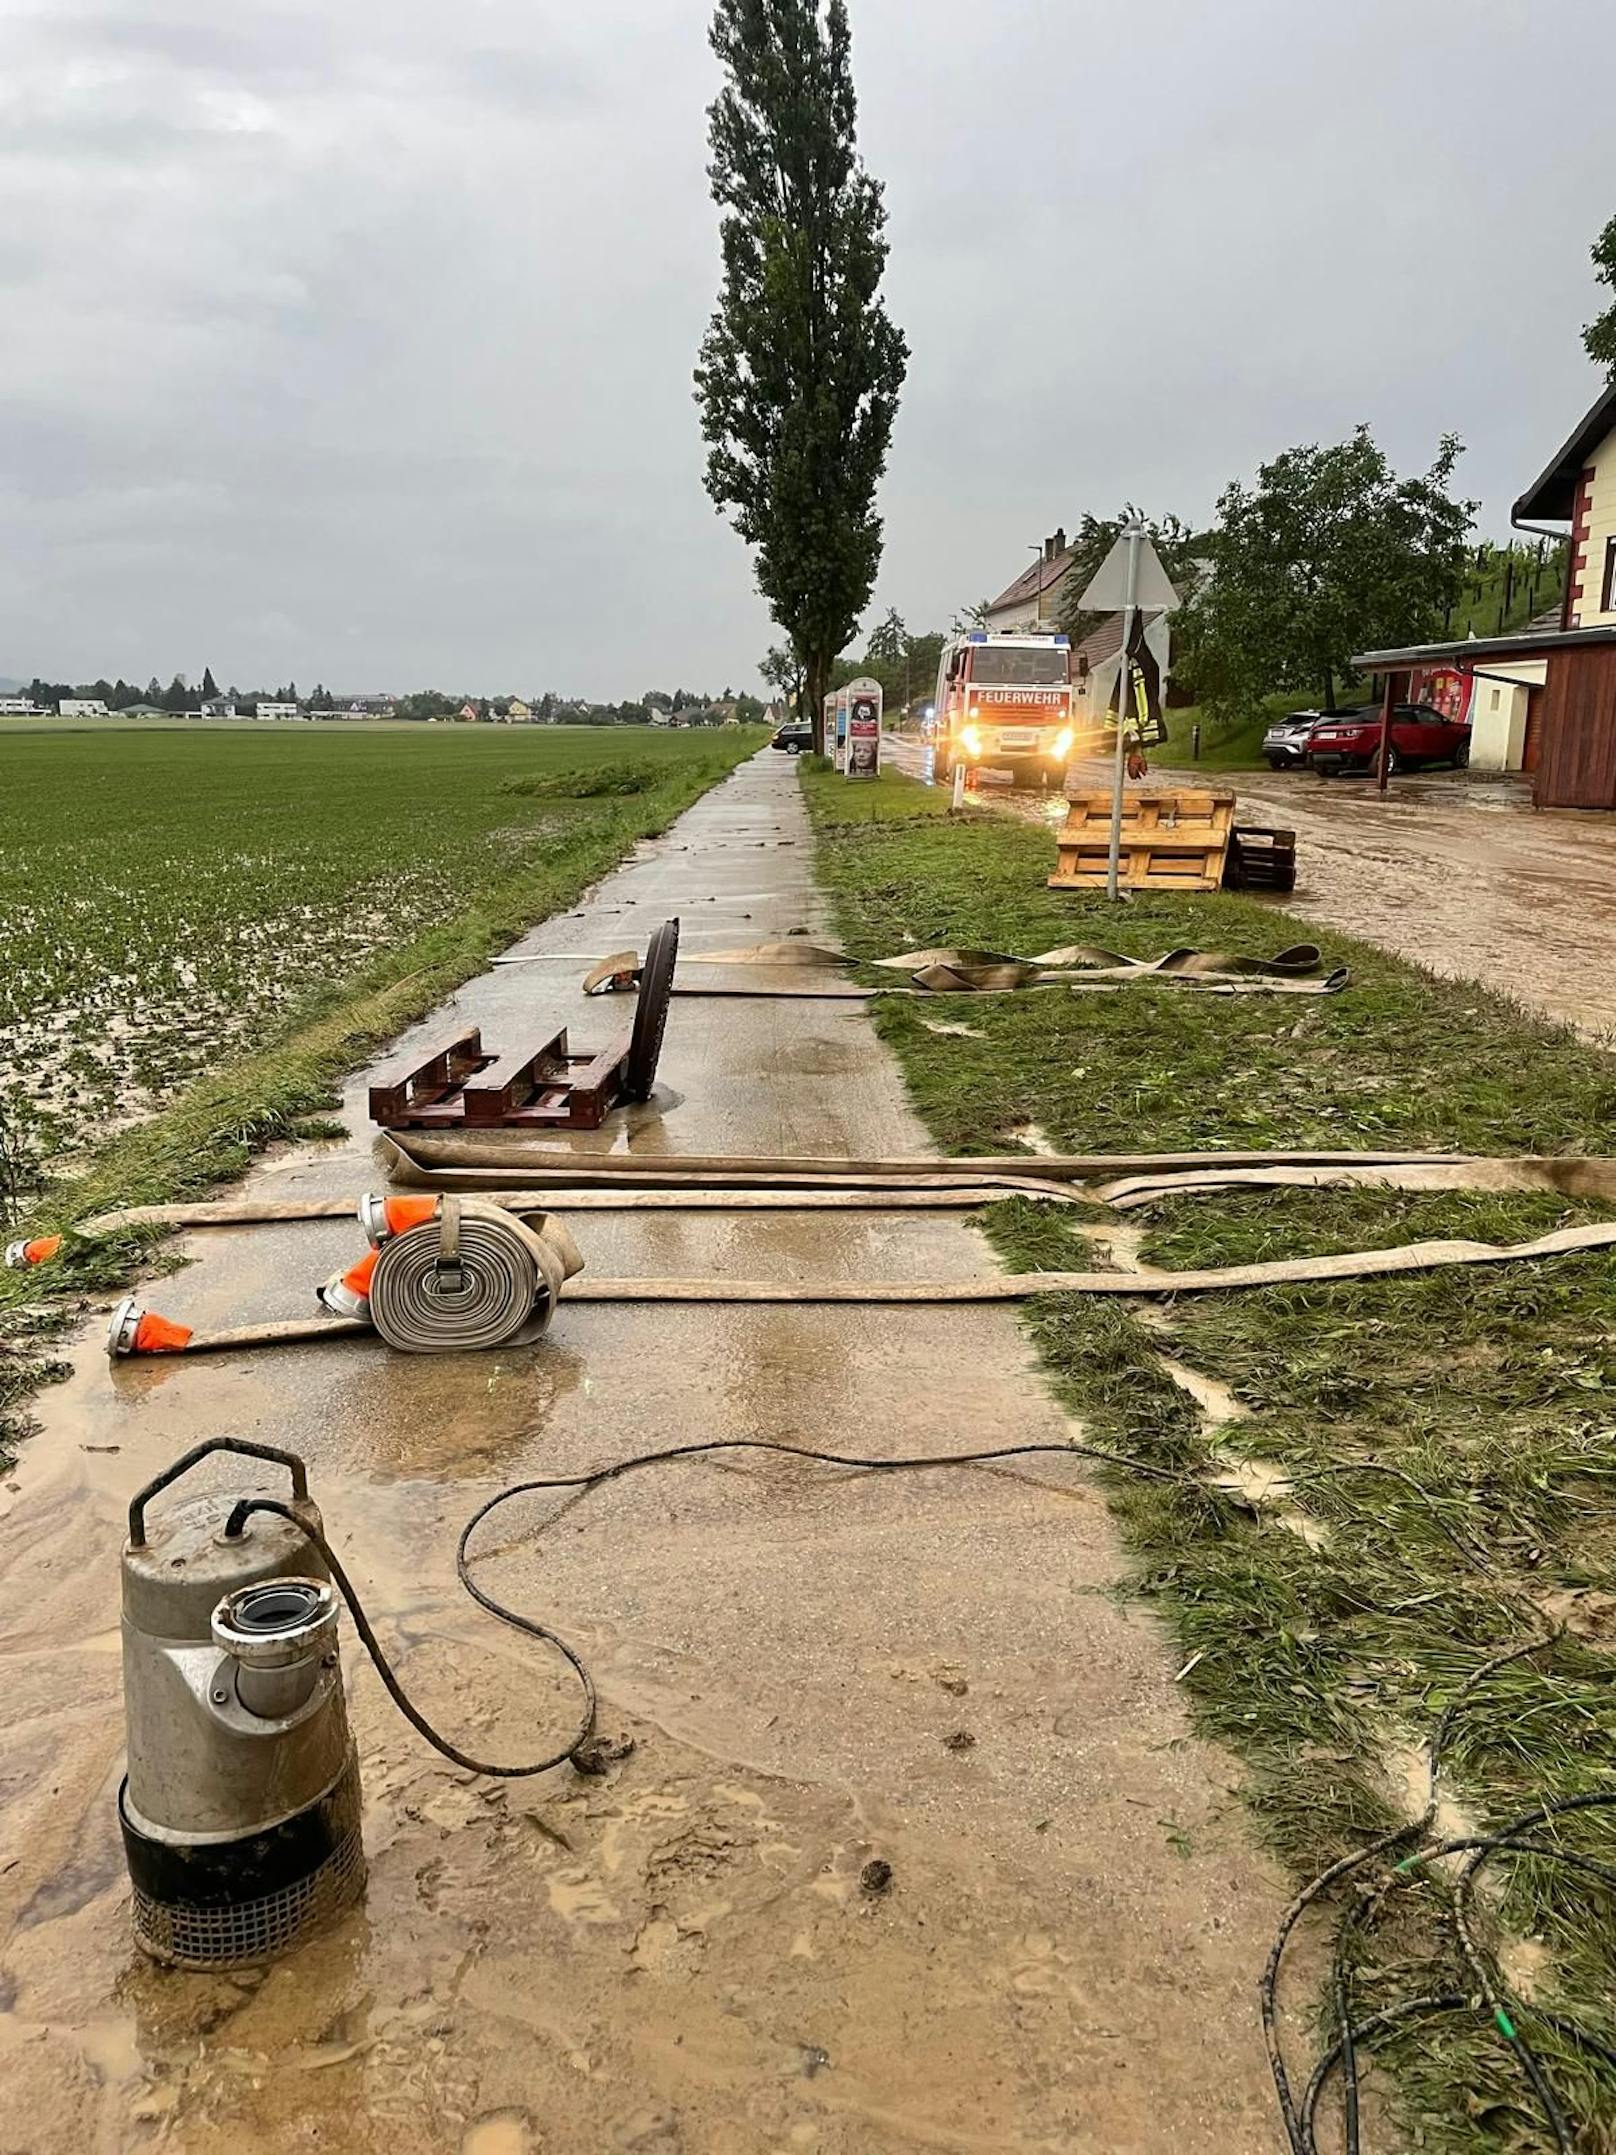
817	1670
1455	871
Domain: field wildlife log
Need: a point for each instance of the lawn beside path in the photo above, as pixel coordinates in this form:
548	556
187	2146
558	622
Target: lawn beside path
1323	1620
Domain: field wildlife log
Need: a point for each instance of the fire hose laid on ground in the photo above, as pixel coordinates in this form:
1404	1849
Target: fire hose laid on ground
1294	971
452	1272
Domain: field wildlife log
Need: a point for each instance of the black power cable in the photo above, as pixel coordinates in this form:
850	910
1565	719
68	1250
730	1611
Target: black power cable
584	1483
1504	2013
1299	2120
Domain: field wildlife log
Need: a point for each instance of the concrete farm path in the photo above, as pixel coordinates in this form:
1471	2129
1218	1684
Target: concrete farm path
817	1670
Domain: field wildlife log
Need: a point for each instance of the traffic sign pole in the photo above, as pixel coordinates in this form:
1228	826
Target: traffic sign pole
1134	533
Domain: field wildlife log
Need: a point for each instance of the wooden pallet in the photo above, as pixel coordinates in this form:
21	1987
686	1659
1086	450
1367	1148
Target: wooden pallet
1170	841
458	1087
1260	858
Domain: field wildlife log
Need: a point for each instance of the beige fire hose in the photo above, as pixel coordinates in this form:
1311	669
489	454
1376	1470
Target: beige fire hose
1293	971
414	1324
954	1196
477	1276
1571	1176
1021	1286
423	1159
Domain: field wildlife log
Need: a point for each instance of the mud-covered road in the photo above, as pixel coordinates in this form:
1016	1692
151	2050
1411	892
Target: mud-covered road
1456	872
818	1671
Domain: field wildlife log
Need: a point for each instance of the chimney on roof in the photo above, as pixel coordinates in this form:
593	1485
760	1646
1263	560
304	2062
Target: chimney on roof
1049	549
1060	539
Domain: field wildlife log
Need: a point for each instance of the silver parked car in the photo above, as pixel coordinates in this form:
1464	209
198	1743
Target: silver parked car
1284	745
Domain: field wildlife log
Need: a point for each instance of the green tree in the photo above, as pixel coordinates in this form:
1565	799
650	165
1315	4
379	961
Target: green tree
801	367
1327	554
210	687
1600	335
904	664
782	670
889	640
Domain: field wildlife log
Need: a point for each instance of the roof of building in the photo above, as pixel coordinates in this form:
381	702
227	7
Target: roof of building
1521	644
1553	494
1046	574
1099	644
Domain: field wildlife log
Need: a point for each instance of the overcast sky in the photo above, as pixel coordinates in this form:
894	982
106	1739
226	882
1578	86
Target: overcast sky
352	339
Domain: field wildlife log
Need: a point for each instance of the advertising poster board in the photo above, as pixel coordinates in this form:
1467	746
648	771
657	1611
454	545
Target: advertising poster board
863	758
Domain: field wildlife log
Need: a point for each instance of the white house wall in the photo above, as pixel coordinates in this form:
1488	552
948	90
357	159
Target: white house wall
1498	713
1601	530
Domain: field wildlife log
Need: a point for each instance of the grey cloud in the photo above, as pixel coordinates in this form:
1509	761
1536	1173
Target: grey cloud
356	341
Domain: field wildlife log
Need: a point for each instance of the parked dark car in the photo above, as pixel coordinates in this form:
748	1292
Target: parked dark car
1420	735
793	738
1284	745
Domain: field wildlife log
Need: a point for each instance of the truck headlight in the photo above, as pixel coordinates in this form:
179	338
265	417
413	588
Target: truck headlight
971	740
1063	744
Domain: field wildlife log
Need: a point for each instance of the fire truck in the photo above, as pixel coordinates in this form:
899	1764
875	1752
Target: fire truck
1006	700
1016	700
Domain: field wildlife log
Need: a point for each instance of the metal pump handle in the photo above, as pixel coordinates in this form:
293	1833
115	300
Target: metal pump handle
242	1447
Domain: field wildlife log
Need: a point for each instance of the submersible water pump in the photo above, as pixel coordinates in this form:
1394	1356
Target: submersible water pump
240	1811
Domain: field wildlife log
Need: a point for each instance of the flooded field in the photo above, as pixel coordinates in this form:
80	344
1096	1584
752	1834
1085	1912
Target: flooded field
171	896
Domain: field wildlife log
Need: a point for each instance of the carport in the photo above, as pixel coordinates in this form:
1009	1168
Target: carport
1544	702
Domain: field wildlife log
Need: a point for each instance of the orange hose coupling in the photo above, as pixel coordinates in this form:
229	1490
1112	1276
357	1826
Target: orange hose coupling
38	1252
382	1216
347	1294
134	1330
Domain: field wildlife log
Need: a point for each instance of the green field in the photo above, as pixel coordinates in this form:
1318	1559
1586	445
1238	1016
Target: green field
202	930
170	897
1414	1474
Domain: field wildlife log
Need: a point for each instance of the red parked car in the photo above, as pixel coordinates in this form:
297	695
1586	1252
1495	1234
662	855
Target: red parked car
1420	735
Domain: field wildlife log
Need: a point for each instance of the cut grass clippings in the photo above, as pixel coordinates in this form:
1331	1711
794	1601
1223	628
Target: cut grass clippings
1326	1621
207	1131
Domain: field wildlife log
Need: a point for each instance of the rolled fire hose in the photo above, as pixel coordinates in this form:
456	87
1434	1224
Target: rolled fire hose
476	1276
460	1276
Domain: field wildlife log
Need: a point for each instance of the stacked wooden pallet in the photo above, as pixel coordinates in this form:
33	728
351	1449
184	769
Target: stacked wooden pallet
1260	858
1170	841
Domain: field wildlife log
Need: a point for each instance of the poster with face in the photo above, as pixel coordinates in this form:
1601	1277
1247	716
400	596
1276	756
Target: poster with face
864	732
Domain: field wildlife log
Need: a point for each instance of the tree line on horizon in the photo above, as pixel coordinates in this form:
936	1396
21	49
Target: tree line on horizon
549	707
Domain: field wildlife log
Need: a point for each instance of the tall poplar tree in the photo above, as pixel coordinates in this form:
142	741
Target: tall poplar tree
801	368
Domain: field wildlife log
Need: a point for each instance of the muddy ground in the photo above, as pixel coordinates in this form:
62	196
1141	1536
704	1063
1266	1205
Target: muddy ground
1455	871
817	1671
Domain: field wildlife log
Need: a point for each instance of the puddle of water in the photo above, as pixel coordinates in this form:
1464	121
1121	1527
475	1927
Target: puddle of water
501	2132
1217	1403
1036	1139
1266	1487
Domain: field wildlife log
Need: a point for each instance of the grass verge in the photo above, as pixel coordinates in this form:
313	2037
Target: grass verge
210	1130
1325	1612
